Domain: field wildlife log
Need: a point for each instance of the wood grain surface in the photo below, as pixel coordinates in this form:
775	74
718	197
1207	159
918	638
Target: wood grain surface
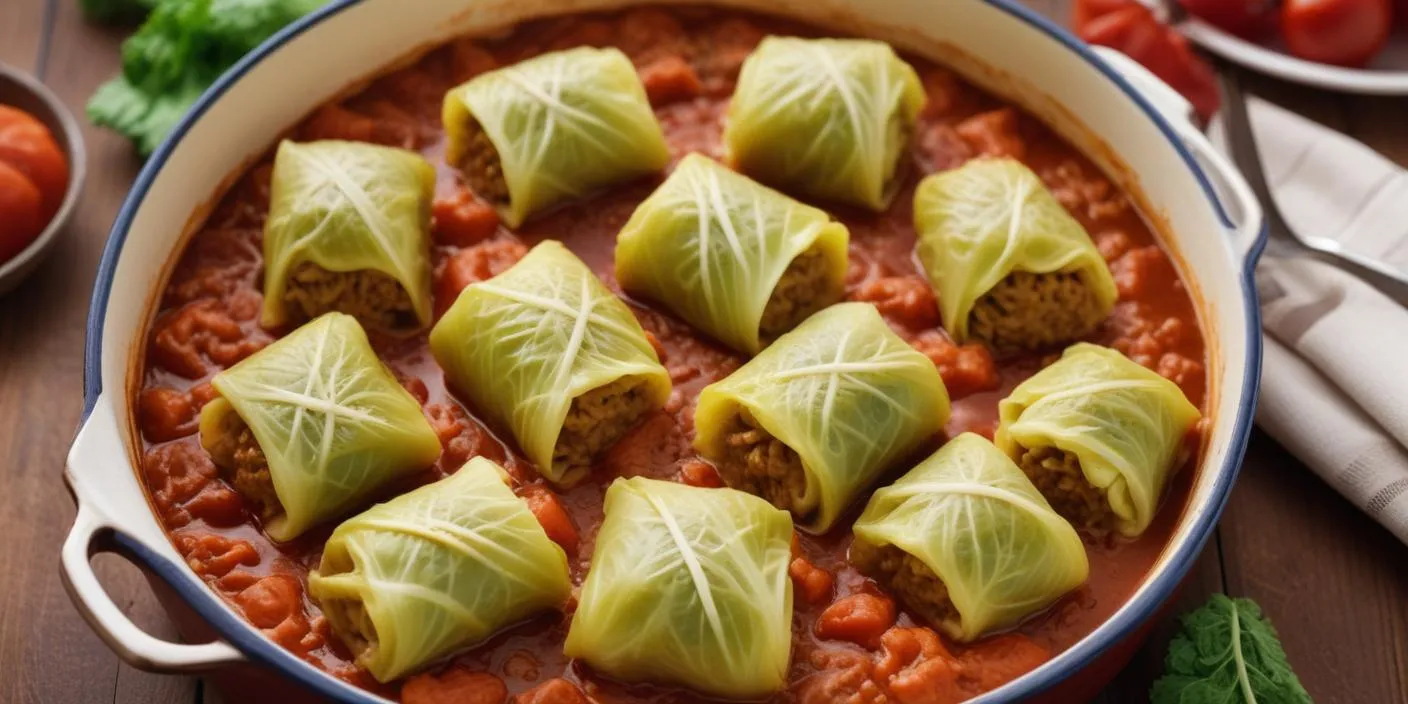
1335	583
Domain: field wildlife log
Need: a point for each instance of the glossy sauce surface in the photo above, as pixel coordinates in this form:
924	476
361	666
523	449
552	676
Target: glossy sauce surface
208	321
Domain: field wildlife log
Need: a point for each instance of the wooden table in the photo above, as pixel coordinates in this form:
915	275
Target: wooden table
1335	583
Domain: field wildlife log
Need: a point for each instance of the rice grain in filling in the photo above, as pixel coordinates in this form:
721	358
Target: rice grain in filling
758	463
599	418
1058	476
481	167
241	462
1027	311
801	291
909	580
372	297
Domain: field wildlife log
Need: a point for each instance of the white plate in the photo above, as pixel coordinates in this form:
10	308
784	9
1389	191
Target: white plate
1387	75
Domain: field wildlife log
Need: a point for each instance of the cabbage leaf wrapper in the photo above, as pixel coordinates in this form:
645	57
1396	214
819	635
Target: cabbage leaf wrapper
993	217
528	342
436	570
1125	424
331	420
841	391
826	118
971	516
558	127
349	207
712	245
688	586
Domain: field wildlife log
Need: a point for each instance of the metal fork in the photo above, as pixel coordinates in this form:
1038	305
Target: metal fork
1284	240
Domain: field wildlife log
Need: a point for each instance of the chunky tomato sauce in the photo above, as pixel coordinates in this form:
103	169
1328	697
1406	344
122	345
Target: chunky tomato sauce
850	640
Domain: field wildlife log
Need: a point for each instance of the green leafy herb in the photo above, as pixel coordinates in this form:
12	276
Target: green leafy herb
176	54
117	10
1227	653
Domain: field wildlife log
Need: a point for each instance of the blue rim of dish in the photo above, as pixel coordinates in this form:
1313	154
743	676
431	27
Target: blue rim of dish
1119	627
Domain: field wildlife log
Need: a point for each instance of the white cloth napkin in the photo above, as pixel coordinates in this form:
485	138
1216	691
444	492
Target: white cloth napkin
1334	387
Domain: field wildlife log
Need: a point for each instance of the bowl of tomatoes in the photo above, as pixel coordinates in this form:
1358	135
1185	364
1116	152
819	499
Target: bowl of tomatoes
41	172
1352	45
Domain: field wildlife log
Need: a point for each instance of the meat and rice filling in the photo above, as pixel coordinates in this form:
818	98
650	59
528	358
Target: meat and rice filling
598	418
801	291
1027	311
349	617
758	463
377	300
909	580
241	462
1058	476
481	167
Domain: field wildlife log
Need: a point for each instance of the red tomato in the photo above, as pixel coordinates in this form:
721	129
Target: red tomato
15	116
1086	11
1135	32
1341	32
28	147
21	214
1247	18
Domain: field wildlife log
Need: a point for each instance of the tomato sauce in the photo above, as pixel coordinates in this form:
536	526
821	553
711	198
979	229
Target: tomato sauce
207	321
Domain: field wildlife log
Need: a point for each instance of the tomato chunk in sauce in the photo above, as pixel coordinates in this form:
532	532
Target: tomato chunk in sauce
851	641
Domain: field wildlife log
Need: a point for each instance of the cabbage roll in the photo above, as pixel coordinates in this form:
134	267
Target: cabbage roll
1012	269
815	418
546	351
1099	435
688	586
735	259
826	118
348	231
436	570
311	426
551	129
965	541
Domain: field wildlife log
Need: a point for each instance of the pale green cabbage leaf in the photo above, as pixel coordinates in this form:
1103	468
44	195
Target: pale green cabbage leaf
439	569
522	345
348	206
844	392
334	424
988	218
827	118
1124	422
973	518
688	586
711	245
564	124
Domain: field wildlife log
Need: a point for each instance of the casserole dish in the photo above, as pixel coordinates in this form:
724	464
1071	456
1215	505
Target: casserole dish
1069	87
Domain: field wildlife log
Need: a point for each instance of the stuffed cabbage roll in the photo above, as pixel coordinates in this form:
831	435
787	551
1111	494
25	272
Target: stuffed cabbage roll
552	128
1099	435
827	118
546	351
348	231
966	541
810	422
688	586
735	259
1011	267
436	570
312	425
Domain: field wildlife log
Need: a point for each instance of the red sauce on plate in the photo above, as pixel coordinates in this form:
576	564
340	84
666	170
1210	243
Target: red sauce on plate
872	651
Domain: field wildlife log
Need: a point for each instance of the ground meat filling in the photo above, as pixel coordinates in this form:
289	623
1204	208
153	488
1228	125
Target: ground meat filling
375	299
598	418
1027	311
758	463
481	167
1058	476
909	580
242	464
801	291
350	620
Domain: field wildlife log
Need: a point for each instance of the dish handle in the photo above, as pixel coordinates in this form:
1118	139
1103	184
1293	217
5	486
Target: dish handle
1248	221
92	461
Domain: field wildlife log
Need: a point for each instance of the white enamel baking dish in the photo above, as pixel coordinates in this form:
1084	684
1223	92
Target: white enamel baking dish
997	43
